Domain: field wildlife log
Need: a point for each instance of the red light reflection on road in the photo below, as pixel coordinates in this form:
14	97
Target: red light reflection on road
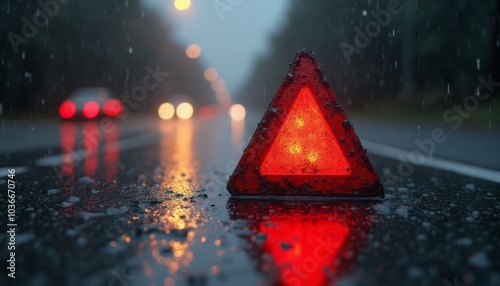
309	254
311	243
82	143
68	145
91	142
112	151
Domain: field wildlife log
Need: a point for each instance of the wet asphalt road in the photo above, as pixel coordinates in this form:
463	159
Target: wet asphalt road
148	206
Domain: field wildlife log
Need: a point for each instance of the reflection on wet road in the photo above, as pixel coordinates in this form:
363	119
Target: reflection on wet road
83	142
176	225
304	243
152	209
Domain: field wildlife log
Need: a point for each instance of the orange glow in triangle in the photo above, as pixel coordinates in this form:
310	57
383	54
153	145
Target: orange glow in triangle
305	144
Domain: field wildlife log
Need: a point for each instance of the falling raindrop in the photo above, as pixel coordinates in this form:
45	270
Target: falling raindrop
478	63
130	50
364	13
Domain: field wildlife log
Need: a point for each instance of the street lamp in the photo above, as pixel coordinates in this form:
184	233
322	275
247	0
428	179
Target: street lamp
182	5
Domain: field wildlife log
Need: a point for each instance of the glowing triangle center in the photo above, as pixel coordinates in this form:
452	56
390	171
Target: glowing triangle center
305	144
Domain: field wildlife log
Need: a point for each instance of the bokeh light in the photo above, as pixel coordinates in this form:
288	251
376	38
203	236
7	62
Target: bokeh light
218	84
166	111
210	74
237	112
67	109
182	5
295	148
193	51
91	109
112	107
184	110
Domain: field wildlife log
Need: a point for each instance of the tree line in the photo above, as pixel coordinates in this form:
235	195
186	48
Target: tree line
425	53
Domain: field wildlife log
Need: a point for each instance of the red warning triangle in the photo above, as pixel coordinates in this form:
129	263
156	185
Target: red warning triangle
304	144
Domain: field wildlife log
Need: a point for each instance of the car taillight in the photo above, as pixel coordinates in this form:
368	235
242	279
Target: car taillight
112	107
67	109
91	109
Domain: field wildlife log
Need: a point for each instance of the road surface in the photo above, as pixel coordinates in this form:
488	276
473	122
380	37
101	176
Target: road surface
143	202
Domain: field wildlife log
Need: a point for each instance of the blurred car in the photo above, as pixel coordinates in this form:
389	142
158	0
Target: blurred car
91	103
179	104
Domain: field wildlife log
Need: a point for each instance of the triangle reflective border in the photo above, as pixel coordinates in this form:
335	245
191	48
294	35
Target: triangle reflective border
304	144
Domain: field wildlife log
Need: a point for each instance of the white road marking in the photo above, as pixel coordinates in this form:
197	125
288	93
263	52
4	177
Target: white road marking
19	170
372	147
124	144
434	162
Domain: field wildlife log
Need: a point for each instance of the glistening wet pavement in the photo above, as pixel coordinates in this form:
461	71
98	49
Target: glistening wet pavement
160	215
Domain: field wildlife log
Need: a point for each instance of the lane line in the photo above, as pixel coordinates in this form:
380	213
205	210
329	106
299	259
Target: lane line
434	162
19	170
124	145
